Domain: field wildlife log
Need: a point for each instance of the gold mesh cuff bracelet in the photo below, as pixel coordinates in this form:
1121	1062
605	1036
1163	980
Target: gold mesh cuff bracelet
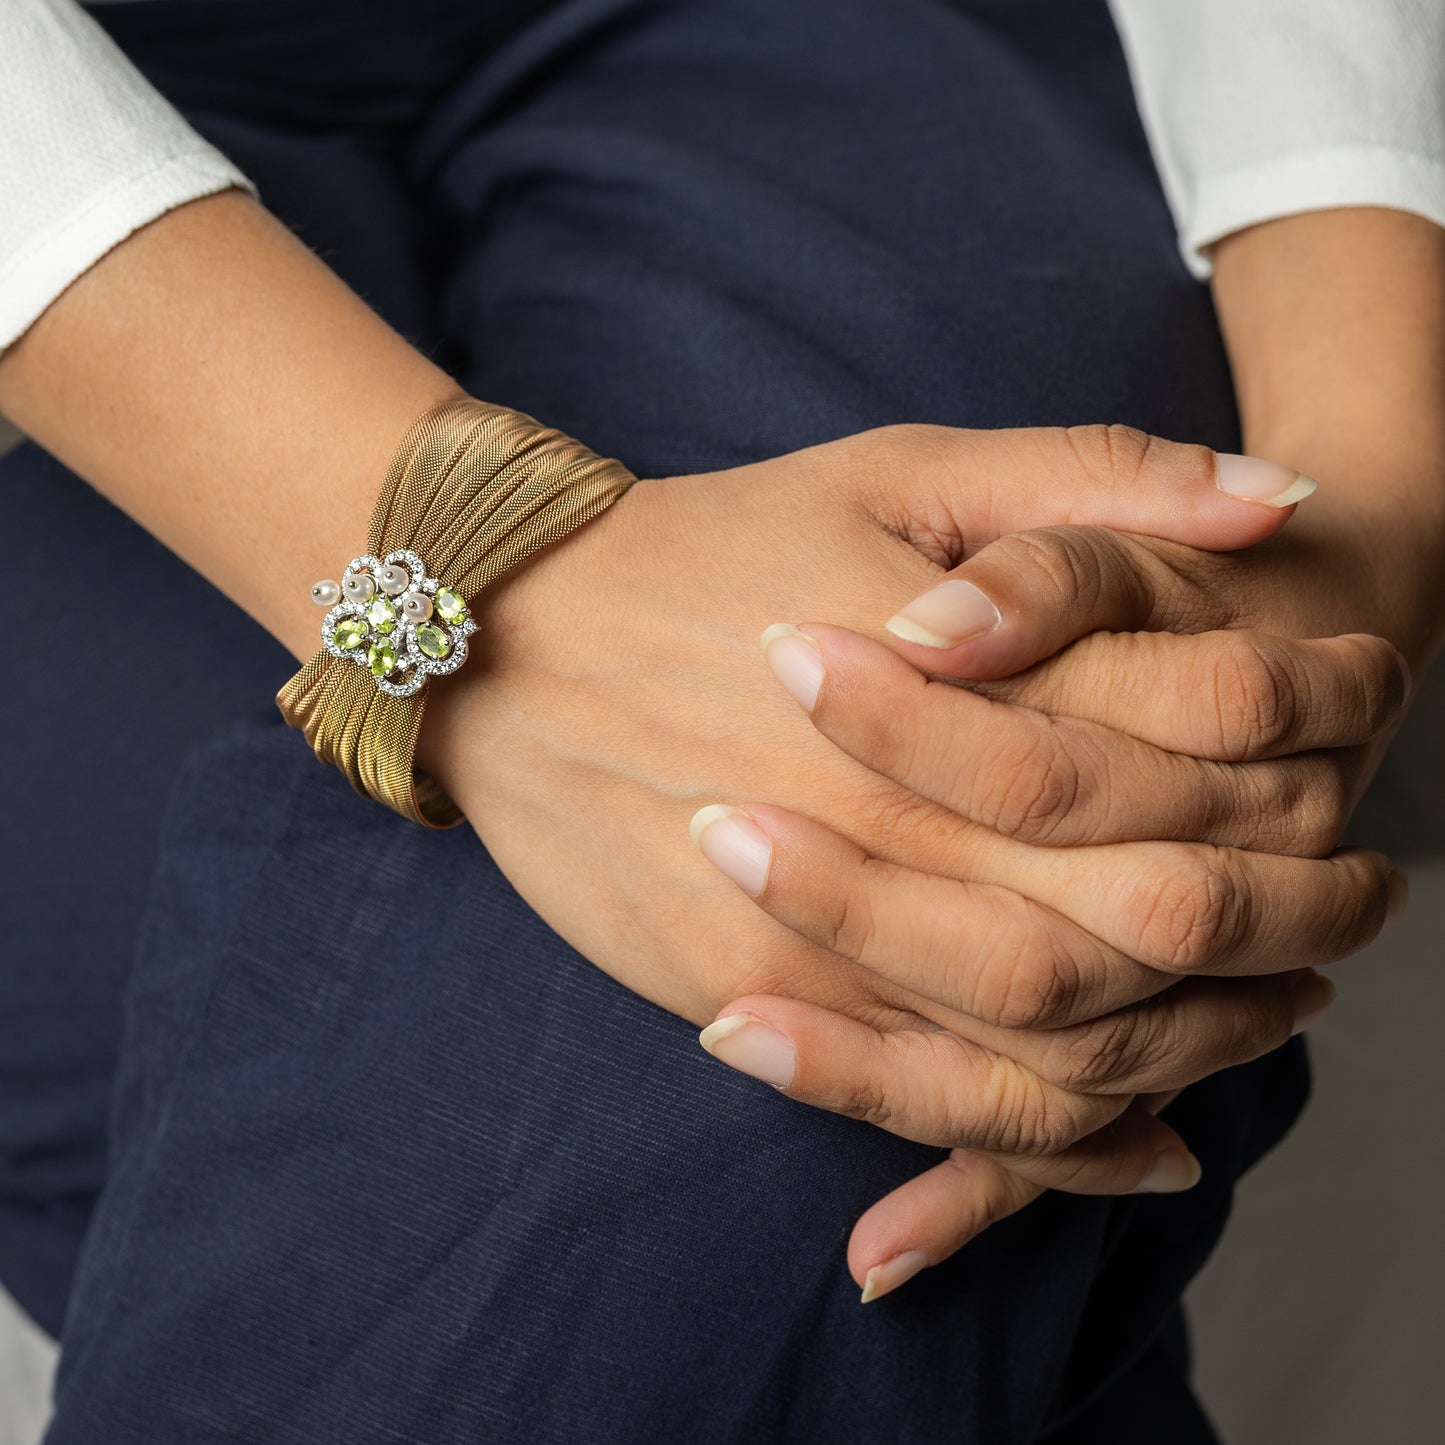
472	491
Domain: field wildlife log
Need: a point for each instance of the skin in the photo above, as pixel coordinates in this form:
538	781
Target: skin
601	745
1335	324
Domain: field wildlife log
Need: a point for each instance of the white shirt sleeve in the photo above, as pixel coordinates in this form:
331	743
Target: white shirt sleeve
1254	109
89	152
1263	108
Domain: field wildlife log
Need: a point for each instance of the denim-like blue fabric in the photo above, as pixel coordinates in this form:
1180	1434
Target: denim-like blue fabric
388	1173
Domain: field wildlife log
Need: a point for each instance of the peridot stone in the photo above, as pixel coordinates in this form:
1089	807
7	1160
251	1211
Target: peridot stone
382	615
449	605
432	640
381	658
350	632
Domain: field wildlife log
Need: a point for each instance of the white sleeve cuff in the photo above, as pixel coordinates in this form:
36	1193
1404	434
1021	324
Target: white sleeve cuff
1318	180
51	259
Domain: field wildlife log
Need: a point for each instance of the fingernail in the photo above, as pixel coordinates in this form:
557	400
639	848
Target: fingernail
1173	1171
1261	481
745	1043
795	661
945	615
734	845
1397	895
1313	995
885	1277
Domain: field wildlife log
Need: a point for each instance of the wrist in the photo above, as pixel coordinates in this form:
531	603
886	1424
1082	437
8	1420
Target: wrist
1333	321
1374	532
472	492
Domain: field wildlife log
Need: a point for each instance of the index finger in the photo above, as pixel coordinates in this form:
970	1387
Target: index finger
1234	696
1026	596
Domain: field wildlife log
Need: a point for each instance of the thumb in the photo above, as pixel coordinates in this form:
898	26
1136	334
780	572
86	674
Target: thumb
991	483
934	1214
931	1217
1030	593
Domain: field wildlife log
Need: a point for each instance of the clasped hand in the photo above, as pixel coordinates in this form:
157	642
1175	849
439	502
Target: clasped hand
1007	918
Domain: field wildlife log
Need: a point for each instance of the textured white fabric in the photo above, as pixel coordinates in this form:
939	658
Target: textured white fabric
1264	108
89	152
27	1369
1254	109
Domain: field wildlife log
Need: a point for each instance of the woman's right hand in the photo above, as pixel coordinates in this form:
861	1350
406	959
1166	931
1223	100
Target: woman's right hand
622	690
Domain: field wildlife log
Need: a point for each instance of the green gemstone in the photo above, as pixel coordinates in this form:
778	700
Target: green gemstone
350	632
382	615
449	605
381	658
432	640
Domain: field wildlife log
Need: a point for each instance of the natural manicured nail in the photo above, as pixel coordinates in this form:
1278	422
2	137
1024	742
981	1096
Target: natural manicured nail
795	661
734	845
885	1277
1313	995
745	1043
1173	1171
1397	895
1261	481
945	615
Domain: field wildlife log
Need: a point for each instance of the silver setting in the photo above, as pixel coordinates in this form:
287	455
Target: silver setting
413	666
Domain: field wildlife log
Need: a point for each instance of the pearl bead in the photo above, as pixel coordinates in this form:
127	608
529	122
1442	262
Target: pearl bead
394	580
359	586
416	606
326	594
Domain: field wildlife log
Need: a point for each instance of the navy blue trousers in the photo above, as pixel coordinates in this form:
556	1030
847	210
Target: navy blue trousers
370	1178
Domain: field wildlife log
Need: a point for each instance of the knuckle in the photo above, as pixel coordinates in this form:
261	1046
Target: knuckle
1109	451
1037	794
1319	810
1253	1023
1202	594
1255	697
1195	915
1028	1119
1091	570
1259	807
1064	557
1359	908
1378	687
1032	996
1098	1054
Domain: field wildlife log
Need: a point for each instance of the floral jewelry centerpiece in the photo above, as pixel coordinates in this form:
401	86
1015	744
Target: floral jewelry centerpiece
389	617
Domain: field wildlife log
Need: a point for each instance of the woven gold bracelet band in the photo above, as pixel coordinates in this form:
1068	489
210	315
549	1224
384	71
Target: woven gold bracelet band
472	491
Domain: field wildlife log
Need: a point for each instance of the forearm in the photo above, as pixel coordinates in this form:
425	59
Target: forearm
223	387
1335	323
